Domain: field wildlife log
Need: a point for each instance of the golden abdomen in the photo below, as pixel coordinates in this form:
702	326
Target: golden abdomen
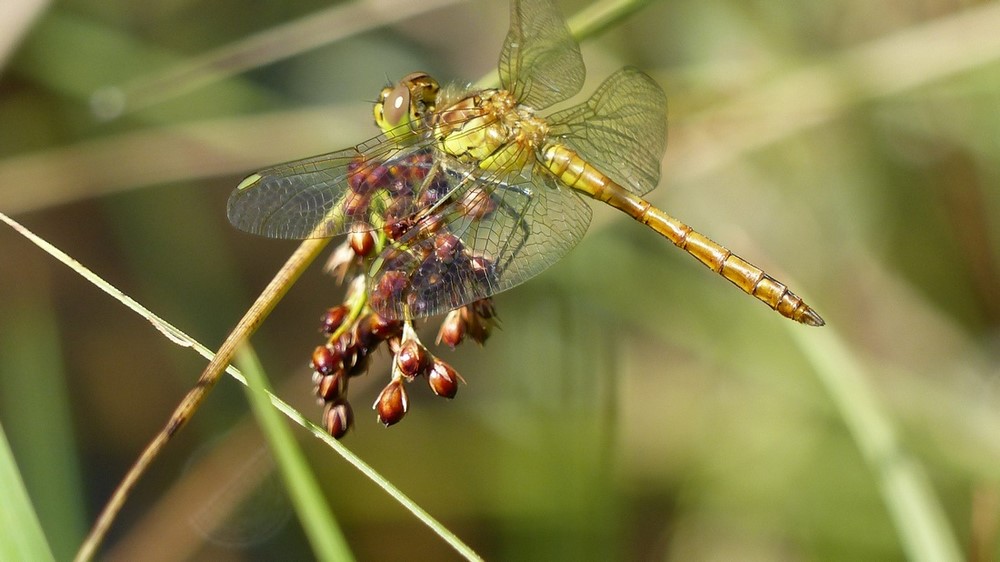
574	171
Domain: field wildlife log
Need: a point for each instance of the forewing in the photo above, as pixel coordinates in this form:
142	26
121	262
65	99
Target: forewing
540	61
621	130
323	195
509	230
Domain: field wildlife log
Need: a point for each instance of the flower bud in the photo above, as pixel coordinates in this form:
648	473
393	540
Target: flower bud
443	379
338	417
329	387
383	328
412	359
326	360
362	242
333	319
452	330
392	403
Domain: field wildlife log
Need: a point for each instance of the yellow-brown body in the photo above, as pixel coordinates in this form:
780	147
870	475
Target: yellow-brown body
490	128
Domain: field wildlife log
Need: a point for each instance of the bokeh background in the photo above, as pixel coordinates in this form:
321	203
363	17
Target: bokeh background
634	405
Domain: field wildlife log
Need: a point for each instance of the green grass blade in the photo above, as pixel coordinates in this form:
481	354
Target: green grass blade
21	536
915	511
320	526
36	401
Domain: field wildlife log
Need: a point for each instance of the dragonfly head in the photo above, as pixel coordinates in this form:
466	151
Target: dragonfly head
401	108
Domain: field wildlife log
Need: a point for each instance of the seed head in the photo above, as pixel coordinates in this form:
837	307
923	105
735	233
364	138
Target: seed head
477	203
412	359
383	328
446	247
332	386
391	404
452	330
443	379
333	319
326	360
362	242
360	365
388	289
338	417
479	319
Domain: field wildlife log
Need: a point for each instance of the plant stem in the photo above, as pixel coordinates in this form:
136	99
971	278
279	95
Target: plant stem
265	303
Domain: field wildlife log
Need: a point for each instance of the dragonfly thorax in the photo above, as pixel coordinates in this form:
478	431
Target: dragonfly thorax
491	129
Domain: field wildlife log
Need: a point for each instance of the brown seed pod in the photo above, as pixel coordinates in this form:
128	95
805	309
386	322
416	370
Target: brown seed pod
476	327
443	379
330	387
412	359
333	319
326	360
340	261
452	330
392	403
384	328
446	247
362	242
484	308
338	417
357	205
476	203
389	288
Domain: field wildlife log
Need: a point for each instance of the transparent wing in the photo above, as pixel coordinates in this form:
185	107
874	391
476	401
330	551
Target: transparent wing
492	234
621	130
540	61
323	195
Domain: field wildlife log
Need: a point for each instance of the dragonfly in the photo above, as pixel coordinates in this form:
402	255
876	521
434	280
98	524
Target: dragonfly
472	192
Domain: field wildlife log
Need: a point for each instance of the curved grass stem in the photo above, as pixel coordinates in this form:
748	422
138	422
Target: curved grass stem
909	498
265	303
180	338
318	523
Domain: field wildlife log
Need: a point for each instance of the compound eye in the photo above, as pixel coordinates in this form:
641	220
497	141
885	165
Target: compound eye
396	105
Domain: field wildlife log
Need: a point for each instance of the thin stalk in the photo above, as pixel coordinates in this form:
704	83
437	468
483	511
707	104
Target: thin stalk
265	303
597	17
272	45
318	523
177	336
908	495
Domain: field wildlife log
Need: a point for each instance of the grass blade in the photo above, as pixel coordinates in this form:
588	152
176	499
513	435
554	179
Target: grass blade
320	526
21	536
918	516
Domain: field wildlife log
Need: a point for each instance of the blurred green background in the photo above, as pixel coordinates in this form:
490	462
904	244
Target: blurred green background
633	406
